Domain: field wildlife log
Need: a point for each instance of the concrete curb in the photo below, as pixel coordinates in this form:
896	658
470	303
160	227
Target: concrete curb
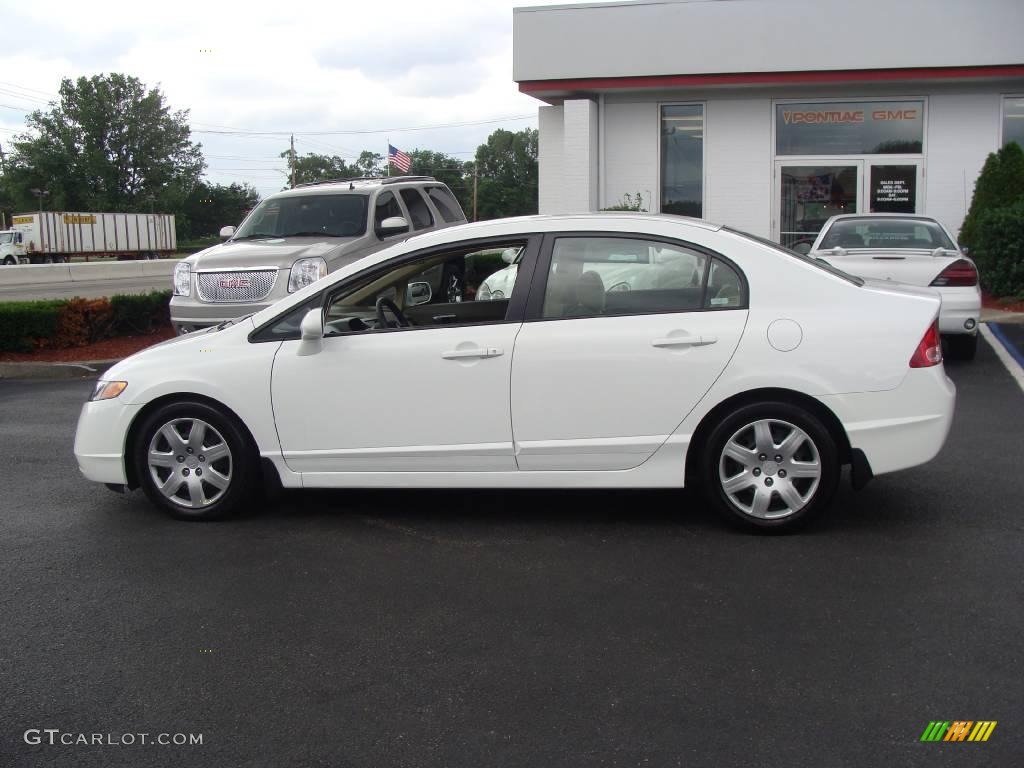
81	370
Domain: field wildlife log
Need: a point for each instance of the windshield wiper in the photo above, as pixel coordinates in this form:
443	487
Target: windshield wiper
308	234
255	236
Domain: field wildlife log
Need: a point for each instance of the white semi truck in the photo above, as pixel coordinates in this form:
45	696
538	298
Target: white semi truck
53	237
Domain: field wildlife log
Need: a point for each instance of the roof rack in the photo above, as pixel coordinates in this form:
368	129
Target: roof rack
381	179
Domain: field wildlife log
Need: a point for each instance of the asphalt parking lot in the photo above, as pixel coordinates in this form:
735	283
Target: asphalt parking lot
514	629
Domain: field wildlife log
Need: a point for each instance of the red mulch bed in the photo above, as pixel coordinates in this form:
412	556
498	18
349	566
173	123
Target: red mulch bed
990	302
109	349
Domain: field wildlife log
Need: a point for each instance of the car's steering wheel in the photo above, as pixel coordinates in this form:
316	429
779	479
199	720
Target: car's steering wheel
382	322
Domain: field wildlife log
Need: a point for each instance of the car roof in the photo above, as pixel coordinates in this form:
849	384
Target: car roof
915	216
361	184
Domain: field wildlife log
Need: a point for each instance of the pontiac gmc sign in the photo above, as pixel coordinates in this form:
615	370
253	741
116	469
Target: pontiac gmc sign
850	128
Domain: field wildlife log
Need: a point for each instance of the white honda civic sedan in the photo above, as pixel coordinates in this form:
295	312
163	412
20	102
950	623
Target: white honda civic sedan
729	363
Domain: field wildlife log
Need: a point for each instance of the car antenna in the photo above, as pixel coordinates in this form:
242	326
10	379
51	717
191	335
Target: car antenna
351	186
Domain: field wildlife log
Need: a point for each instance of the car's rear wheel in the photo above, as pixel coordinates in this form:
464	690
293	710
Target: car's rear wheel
962	346
194	461
770	467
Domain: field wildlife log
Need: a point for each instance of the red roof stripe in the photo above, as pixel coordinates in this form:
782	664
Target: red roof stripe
770	78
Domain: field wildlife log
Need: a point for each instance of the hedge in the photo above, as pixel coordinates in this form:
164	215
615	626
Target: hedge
999	250
26	326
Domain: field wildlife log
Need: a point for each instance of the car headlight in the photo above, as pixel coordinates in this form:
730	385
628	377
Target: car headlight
182	279
108	390
305	272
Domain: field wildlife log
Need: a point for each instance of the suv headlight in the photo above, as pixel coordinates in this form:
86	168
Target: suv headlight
305	272
182	279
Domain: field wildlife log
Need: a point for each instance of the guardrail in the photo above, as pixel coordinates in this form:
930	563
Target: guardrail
49	274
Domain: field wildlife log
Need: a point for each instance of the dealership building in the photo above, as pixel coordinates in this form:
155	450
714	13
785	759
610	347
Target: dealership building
771	115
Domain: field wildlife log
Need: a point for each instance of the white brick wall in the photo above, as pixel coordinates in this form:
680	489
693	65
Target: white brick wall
549	157
579	157
737	164
962	130
631	153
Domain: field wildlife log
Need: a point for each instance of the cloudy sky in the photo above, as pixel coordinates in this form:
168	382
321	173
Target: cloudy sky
305	67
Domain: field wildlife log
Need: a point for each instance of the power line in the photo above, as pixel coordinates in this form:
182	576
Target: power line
401	129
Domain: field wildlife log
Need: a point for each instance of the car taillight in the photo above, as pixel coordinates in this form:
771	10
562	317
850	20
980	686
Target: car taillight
960	274
929	351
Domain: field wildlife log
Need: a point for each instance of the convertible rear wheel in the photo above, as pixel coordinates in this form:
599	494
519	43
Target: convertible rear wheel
770	467
194	461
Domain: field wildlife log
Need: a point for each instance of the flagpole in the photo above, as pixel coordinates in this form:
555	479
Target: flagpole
387	154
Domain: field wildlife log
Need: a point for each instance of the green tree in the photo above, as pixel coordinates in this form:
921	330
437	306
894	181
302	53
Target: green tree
108	143
212	206
315	167
1000	185
507	168
457	174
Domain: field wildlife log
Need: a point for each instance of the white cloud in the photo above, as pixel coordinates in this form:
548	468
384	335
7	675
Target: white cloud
311	66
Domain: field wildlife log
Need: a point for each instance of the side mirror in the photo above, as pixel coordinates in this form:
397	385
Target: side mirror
802	248
311	332
226	232
418	293
393	225
509	255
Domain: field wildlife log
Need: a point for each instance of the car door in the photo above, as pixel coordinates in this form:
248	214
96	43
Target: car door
624	336
430	397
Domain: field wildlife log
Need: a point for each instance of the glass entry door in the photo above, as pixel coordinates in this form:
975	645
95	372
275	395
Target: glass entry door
809	194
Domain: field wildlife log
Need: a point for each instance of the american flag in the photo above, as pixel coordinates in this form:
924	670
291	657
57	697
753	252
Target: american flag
399	159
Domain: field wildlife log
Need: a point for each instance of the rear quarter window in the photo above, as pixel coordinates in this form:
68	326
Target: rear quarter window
446	204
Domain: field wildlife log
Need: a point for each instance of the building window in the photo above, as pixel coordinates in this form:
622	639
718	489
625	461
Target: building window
850	128
1013	120
682	160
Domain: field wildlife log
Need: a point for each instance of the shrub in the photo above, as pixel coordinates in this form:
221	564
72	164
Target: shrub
142	313
23	323
999	249
81	322
629	204
1000	184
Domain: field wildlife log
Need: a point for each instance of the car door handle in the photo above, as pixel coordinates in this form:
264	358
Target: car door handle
462	354
684	341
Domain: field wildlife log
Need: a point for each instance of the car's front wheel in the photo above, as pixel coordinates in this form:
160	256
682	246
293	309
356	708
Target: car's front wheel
193	461
770	466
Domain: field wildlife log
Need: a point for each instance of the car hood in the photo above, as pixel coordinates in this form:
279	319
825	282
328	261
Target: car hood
272	252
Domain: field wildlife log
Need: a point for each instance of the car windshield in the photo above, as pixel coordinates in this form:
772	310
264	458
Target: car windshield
885	233
6	237
338	215
793	254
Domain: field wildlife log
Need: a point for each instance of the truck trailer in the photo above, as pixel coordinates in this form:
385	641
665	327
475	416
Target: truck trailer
53	237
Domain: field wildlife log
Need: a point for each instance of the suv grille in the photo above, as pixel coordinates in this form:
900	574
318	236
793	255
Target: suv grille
241	286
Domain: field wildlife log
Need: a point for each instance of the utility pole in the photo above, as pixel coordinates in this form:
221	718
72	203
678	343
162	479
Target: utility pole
476	176
291	159
3	160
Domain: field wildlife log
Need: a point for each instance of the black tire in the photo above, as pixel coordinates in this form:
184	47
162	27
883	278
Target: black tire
10	261
210	502
767	479
962	346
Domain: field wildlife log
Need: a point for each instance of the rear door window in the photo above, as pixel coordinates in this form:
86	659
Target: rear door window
446	204
387	206
597	276
419	212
